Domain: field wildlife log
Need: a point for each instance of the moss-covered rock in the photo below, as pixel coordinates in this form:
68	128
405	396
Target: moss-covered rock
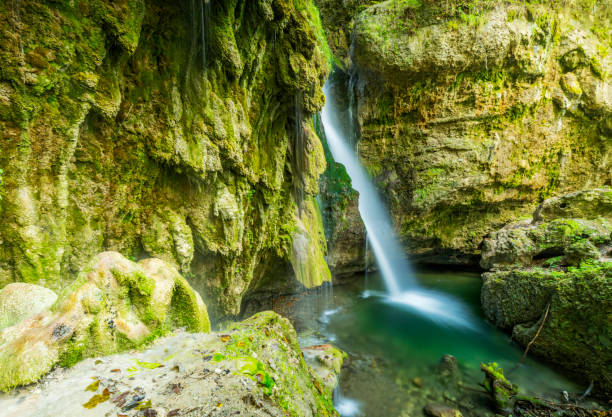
577	331
471	113
252	368
585	204
551	239
309	247
156	128
114	305
19	300
498	387
555	272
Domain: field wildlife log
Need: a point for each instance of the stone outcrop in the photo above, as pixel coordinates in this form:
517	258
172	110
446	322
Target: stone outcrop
160	129
471	114
113	305
253	368
553	278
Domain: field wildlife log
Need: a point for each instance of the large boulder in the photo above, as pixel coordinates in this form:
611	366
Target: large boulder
20	300
551	283
114	305
565	230
573	307
253	368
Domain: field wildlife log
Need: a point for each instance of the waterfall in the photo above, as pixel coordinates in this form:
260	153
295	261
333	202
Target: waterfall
395	268
389	254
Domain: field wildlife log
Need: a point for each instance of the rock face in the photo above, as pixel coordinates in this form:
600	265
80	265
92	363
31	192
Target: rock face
556	273
470	115
19	300
254	368
114	305
165	129
344	229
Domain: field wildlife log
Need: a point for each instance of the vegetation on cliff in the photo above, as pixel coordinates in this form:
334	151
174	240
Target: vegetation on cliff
113	305
159	129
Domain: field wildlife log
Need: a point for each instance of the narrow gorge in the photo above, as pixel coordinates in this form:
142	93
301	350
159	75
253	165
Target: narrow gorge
306	208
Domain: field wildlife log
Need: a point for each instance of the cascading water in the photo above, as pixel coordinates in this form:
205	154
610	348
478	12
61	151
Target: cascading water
395	268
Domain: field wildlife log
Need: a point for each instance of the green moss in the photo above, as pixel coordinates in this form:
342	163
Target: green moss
184	310
576	334
288	378
127	114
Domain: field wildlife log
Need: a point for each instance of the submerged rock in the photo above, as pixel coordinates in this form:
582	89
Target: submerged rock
114	305
253	368
19	300
441	410
448	366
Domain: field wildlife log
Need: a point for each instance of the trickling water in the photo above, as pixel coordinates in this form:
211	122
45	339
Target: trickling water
366	262
346	407
298	150
205	17
394	267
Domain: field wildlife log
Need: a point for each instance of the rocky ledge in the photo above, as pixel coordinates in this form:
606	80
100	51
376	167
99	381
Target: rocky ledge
252	368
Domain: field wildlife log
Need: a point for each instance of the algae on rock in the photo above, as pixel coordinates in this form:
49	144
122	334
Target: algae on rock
113	305
553	278
19	300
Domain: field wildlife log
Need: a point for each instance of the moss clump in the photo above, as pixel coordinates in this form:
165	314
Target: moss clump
285	382
500	389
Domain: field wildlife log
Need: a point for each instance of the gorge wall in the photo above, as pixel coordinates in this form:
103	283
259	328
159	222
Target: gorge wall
178	130
472	112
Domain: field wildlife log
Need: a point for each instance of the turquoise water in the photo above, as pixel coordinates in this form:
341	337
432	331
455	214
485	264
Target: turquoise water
389	346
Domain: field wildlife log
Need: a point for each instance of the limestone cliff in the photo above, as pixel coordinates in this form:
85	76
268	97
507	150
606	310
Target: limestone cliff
179	130
473	112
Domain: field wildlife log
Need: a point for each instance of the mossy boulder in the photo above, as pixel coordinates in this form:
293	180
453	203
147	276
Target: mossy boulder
19	300
551	239
115	304
555	272
253	368
576	333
